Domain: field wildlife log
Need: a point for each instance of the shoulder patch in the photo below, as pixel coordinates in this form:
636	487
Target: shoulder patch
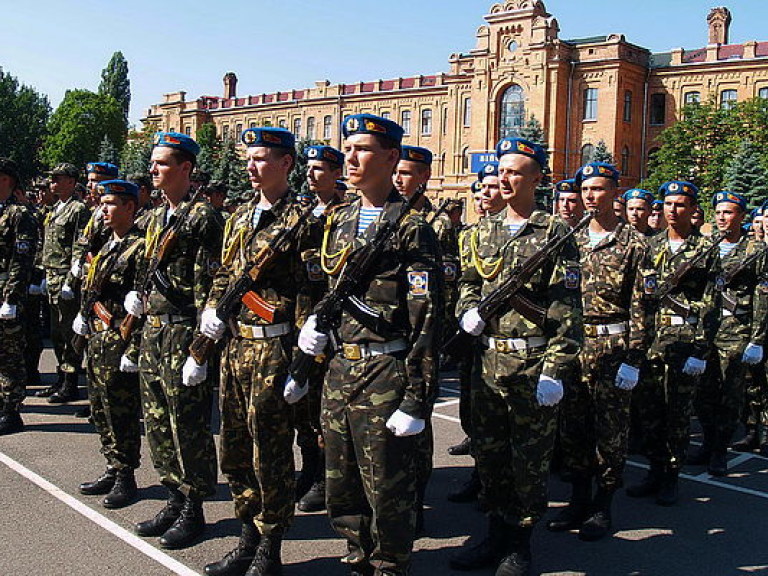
572	277
22	247
450	271
419	283
650	284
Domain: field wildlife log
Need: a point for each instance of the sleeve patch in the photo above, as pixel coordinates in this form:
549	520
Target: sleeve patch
315	271
572	277
650	284
450	271
22	247
419	282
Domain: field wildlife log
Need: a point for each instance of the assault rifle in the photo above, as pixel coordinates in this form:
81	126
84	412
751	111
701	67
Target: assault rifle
664	292
508	293
440	209
154	274
730	303
354	278
240	290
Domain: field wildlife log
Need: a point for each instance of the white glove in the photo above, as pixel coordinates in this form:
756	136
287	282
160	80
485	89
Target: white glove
34	290
627	377
211	325
44	286
311	341
400	424
753	354
293	392
77	269
80	326
133	304
192	373
694	366
471	322
7	311
127	365
67	293
549	391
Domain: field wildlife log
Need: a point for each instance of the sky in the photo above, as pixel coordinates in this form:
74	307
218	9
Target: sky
275	45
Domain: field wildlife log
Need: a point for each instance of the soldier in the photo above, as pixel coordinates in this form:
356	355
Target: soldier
514	416
112	363
697	220
639	203
742	295
620	207
614	272
677	356
63	228
18	243
568	203
215	193
656	220
176	398
144	211
199	179
377	390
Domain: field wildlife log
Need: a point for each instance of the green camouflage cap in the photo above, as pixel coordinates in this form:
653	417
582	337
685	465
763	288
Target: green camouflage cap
65	169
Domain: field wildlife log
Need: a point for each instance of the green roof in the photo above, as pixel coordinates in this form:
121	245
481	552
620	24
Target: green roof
590	40
660	60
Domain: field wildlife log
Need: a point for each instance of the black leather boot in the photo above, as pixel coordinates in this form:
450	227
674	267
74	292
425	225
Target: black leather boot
53	388
236	562
488	551
314	500
599	522
267	561
68	392
517	562
310	462
187	527
462	448
701	455
650	485
164	519
469	491
102	485
749	442
762	438
718	463
577	510
124	492
10	421
668	492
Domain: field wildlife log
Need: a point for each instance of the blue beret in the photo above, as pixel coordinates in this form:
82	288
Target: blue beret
269	137
490	169
370	124
679	188
726	196
597	170
567	185
639	194
416	154
325	153
119	187
747	226
176	140
476	187
101	168
525	147
340	186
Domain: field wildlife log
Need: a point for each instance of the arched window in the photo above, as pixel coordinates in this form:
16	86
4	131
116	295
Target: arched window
512	115
625	161
587	151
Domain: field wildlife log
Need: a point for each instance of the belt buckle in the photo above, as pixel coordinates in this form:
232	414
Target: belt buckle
666	321
502	346
590	330
99	324
352	351
154	321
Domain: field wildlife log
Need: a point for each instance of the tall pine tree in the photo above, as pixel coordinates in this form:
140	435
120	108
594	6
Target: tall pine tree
747	174
601	153
230	170
115	83
108	152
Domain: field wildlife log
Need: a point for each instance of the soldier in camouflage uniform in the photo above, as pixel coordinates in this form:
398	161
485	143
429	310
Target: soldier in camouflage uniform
176	398
18	243
742	296
377	391
595	414
144	212
63	228
514	416
639	203
568	203
677	356
657	220
256	420
112	363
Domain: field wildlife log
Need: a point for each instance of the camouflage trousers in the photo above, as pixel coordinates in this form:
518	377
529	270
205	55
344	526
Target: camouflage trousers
720	396
306	412
756	412
13	376
257	432
470	370
115	400
177	418
33	333
370	472
513	435
595	415
63	312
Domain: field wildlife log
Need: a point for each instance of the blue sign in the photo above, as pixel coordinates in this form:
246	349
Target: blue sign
480	159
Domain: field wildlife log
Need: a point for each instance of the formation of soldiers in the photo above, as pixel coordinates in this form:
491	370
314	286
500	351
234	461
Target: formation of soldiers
325	320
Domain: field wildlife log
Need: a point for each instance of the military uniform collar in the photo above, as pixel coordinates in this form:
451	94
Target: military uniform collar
278	206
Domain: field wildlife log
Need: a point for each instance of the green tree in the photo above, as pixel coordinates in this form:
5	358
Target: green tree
601	153
747	174
137	152
230	169
108	152
23	117
298	176
115	83
210	148
78	126
532	130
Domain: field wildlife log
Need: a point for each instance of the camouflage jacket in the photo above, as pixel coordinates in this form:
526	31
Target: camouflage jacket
121	259
555	287
747	292
405	289
696	290
18	244
448	237
191	263
617	282
318	279
63	228
143	216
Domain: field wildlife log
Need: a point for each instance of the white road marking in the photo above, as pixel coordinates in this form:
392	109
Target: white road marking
102	521
446	403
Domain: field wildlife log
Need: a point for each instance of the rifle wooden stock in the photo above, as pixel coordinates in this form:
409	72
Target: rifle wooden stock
259	306
127	326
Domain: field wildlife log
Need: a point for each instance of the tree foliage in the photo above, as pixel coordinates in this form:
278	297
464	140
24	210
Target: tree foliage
747	174
210	147
230	170
115	83
137	152
601	153
108	152
298	176
533	130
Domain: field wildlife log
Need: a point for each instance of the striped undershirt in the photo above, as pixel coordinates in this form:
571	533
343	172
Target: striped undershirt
367	217
596	237
674	245
515	228
726	248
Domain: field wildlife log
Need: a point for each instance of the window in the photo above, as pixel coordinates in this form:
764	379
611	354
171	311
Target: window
426	121
188	130
225	133
512	115
590	104
467	112
625	161
252	124
465	160
444	122
405	121
239	131
327	121
693	97
311	128
587	151
763	93
386	115
658	109
728	99
297	126
281	123
628	106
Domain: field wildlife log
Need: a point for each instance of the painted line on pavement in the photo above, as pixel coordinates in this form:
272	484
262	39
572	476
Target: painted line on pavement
446	403
445	417
102	521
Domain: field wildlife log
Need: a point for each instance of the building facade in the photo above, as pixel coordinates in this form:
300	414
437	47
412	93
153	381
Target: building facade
581	91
